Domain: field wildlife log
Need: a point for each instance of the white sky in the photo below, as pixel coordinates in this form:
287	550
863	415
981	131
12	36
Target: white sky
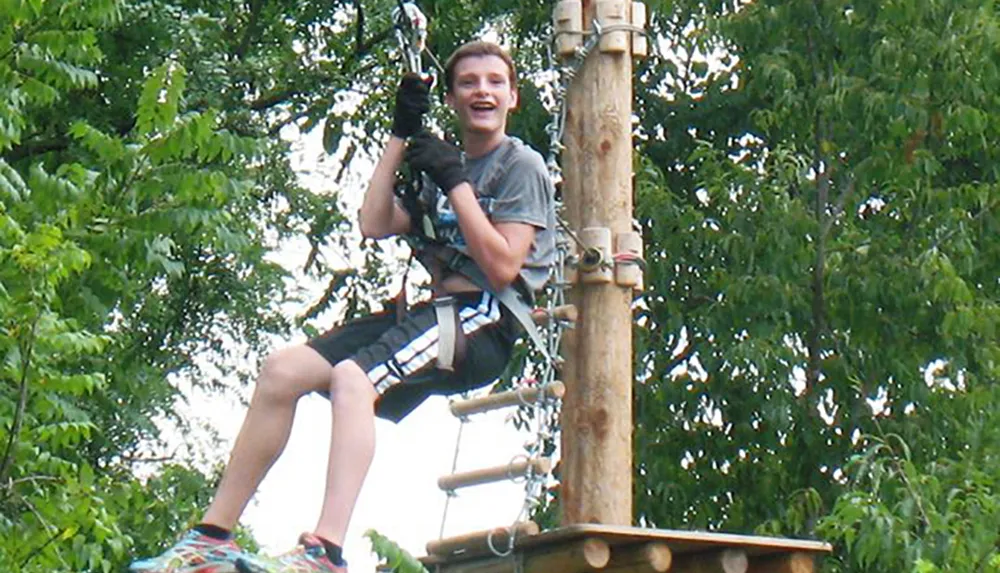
400	498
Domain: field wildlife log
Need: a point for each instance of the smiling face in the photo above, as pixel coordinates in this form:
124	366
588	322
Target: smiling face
482	94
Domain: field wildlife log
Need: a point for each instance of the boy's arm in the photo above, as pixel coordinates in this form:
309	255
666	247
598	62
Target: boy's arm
380	215
499	249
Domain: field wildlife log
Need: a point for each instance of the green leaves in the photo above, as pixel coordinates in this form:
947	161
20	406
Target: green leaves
821	273
12	187
395	558
126	251
39	63
160	99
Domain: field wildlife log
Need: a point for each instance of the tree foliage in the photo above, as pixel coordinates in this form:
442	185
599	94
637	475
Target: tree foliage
141	201
820	220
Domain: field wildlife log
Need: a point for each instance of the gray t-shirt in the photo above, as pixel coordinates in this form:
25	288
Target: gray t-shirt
522	194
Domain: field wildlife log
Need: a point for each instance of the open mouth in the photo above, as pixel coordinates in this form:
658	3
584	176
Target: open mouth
483	106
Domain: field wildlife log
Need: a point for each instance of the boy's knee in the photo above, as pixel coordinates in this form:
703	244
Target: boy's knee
350	385
281	376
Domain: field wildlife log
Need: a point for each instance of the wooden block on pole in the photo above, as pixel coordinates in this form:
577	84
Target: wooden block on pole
512	470
651	557
567	21
640	46
479	541
628	271
578	557
726	561
523	396
796	562
614	13
596	266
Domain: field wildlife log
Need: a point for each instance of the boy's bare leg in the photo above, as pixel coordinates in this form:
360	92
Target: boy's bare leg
286	376
352	446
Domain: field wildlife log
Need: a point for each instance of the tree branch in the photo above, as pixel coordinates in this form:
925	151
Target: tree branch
272	99
682	357
364	48
838	208
22	401
255	9
359	33
58	533
821	169
823	217
34	147
30	479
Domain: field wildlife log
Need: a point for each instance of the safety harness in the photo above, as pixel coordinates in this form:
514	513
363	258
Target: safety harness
440	260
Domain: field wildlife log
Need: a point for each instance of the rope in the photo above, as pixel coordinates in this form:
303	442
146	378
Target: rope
454	468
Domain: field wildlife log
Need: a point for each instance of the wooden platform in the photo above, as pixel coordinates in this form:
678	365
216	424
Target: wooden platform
620	549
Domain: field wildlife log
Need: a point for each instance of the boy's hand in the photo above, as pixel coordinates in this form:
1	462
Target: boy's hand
413	100
441	160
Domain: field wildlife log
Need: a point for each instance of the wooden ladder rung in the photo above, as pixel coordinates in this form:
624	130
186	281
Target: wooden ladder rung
523	396
565	312
479	541
518	468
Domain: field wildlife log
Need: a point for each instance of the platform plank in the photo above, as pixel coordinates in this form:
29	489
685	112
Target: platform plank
679	542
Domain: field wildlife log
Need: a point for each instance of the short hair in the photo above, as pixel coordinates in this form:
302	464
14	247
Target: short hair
477	48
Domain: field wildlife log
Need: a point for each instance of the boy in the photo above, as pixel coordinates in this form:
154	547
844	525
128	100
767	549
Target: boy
487	221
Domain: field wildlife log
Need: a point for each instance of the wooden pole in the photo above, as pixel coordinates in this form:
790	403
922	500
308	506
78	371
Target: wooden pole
651	557
785	563
513	470
725	561
584	555
523	396
579	556
479	541
596	480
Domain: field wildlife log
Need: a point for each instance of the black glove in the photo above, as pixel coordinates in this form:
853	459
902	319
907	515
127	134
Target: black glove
413	100
441	160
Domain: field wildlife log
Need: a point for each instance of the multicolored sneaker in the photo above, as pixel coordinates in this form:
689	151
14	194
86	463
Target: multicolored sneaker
194	553
308	557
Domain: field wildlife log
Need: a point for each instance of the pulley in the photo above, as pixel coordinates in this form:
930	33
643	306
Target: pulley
411	32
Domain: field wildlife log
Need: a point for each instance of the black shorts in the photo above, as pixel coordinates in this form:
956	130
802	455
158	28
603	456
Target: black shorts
400	358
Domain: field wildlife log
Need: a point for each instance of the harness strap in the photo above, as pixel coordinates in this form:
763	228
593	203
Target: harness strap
517	302
448	326
512	299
